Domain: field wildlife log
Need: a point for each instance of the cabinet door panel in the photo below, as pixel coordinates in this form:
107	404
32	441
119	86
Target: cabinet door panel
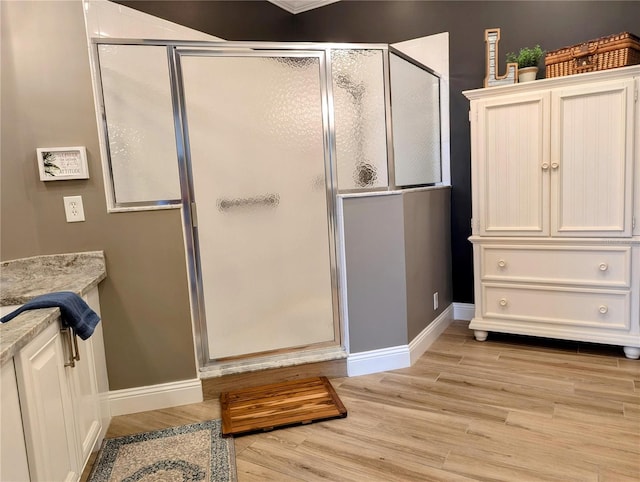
84	390
46	408
636	167
86	406
13	451
513	163
592	154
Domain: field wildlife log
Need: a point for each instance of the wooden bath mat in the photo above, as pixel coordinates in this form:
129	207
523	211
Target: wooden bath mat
279	405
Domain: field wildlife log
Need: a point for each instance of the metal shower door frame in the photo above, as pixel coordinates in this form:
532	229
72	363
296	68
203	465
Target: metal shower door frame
392	50
255	50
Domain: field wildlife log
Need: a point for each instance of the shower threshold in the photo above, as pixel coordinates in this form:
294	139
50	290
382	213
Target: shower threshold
280	360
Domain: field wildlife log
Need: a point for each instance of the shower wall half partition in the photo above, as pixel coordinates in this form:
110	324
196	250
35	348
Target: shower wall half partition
264	137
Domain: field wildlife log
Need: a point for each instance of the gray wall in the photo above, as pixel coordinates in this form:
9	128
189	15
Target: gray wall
47	101
374	252
398	253
427	247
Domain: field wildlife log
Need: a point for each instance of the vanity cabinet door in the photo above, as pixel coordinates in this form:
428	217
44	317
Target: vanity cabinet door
84	395
13	452
47	410
84	389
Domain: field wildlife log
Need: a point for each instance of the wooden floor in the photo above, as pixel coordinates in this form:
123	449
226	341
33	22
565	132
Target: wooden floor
510	408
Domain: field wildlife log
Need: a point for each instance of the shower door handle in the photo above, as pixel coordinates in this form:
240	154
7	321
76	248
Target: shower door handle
266	200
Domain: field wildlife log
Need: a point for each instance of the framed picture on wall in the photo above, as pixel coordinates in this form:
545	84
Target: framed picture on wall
62	163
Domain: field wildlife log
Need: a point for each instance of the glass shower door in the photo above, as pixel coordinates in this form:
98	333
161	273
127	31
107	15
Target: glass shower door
256	145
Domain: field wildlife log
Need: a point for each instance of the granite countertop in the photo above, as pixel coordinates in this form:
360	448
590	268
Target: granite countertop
25	278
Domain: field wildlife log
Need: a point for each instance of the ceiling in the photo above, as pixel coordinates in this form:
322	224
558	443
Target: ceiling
298	6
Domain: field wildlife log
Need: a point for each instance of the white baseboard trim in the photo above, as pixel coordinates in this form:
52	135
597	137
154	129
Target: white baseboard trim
381	360
154	397
464	311
426	337
402	356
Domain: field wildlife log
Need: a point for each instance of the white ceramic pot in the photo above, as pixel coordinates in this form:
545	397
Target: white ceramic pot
527	74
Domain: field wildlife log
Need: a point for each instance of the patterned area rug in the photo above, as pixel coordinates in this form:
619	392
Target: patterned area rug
194	452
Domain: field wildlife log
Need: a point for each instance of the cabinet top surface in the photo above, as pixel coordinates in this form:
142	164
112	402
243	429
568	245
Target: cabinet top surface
603	75
26	278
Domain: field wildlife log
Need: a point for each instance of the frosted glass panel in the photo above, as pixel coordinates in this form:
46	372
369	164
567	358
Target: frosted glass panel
415	103
258	163
140	129
359	112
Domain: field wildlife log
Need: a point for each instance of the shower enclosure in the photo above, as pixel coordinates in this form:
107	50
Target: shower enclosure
255	142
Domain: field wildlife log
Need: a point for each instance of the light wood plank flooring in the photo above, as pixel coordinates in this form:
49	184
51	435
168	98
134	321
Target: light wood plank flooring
511	408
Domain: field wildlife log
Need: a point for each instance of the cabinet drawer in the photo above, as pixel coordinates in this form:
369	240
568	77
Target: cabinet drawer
581	265
589	308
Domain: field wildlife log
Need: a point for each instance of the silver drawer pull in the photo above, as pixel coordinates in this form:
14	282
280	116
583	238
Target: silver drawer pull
503	302
603	266
76	357
502	263
603	309
70	344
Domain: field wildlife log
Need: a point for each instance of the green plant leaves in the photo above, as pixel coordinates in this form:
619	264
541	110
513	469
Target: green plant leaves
527	57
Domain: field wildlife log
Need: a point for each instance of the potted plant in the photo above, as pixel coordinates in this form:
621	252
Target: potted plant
527	60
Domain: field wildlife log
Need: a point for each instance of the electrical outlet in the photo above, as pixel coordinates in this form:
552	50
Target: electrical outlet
435	300
73	208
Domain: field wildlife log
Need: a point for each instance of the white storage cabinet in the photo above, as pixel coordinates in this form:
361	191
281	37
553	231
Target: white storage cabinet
556	199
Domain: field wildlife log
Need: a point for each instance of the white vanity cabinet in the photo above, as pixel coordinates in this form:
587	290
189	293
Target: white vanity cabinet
47	410
58	382
554	167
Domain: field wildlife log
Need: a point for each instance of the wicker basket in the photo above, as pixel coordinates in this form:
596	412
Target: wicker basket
618	50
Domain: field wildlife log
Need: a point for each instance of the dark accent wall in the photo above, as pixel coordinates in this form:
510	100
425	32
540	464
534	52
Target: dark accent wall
231	20
552	24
